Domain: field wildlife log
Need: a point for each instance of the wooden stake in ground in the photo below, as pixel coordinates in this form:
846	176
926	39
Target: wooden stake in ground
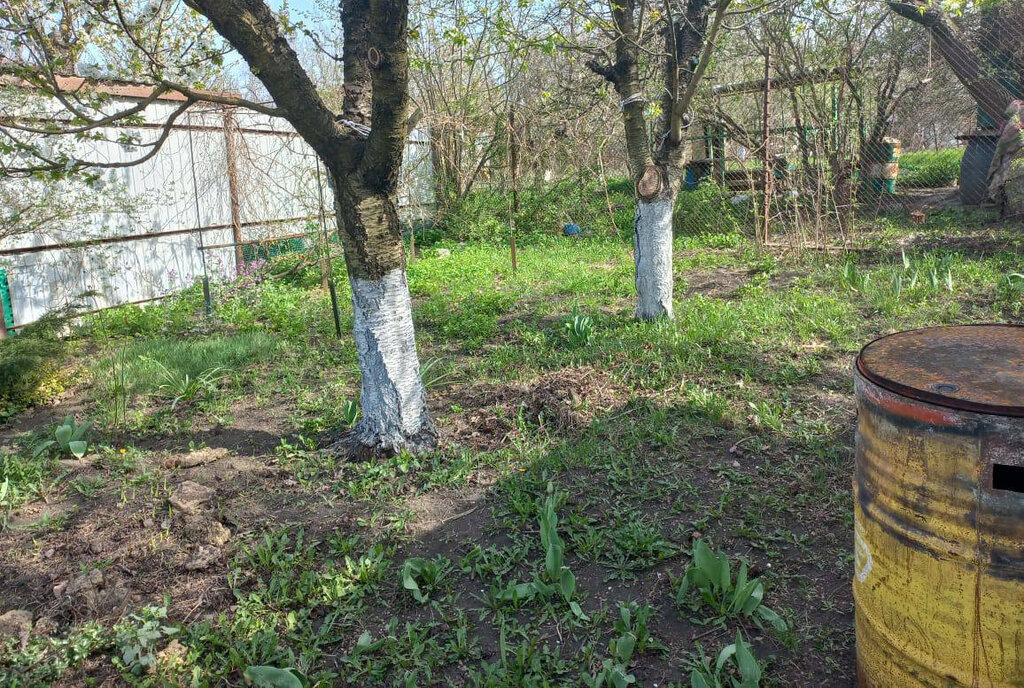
232	165
766	145
513	164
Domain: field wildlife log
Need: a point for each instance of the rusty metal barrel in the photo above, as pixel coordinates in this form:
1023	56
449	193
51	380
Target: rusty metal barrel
939	508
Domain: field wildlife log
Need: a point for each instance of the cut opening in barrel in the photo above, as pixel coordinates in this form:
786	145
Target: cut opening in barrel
1008	478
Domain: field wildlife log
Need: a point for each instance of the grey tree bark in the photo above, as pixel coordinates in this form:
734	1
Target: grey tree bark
657	165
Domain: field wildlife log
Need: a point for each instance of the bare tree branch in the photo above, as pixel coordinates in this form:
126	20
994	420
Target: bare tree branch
253	30
969	67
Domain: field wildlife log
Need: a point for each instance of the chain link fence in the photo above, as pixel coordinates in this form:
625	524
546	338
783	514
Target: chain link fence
811	155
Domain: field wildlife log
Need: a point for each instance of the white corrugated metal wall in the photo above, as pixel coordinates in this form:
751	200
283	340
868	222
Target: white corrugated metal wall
132	258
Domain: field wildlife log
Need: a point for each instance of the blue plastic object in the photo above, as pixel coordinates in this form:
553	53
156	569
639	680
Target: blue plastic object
571	229
691	179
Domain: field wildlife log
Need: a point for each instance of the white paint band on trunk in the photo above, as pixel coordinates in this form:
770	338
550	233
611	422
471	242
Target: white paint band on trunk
652	250
393	399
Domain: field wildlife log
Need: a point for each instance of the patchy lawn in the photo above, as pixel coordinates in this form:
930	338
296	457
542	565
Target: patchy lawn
205	530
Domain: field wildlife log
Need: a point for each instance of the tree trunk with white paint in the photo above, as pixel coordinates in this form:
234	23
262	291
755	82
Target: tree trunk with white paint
361	148
652	256
392	396
657	171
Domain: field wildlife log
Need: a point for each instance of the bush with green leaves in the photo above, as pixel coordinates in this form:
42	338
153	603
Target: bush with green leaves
708	584
32	364
423	576
129	320
579	328
69	439
735	667
139	636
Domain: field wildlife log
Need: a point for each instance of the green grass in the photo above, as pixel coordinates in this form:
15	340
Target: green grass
25	478
731	425
136	377
930	169
145	360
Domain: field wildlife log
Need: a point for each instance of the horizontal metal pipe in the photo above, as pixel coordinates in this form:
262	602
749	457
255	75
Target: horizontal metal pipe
140	237
250	242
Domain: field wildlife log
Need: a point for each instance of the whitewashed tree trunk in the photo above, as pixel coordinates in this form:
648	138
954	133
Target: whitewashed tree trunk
392	395
361	150
652	254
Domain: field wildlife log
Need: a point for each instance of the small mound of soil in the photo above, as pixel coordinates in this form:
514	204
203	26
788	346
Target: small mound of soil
564	400
720	283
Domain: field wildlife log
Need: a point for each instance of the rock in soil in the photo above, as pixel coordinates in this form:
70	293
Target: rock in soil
80	584
190	497
172	656
217	534
202	558
206	531
93	592
16	624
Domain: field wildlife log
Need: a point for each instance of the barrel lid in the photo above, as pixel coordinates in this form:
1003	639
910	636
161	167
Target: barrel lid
969	367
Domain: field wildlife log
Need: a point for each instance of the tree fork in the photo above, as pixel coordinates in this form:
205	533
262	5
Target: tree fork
362	165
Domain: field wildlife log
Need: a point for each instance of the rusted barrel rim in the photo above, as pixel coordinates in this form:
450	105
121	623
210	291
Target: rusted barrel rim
935	397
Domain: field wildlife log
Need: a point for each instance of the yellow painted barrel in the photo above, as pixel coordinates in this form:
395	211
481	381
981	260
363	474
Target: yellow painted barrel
939	508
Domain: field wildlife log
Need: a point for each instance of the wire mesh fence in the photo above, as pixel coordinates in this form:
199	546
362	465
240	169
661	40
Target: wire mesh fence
814	128
907	127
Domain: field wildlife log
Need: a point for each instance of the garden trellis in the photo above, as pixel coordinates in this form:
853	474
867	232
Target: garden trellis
228	187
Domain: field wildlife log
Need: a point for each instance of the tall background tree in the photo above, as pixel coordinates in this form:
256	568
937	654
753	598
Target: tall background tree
989	63
983	73
640	37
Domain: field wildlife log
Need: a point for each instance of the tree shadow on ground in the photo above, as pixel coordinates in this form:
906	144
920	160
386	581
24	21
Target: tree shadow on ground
638	479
